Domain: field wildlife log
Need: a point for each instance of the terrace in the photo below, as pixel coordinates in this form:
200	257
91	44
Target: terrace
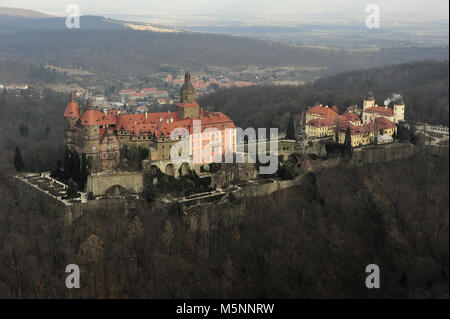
51	187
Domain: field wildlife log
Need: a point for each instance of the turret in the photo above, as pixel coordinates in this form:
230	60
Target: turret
399	111
71	117
91	133
188	107
72	109
187	91
369	101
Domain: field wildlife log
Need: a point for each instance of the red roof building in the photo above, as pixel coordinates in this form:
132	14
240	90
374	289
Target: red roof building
151	130
319	111
382	110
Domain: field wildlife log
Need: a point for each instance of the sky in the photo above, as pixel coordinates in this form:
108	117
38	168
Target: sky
296	10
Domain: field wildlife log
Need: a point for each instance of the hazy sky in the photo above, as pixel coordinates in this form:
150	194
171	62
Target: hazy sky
270	9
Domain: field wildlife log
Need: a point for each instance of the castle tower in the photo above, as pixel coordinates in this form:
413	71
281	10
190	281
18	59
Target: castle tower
91	135
399	111
187	92
71	117
369	101
188	107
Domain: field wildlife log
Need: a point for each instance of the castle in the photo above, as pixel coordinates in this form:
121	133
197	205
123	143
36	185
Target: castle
371	124
98	136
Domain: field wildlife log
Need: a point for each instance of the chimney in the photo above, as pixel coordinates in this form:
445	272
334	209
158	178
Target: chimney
160	120
171	120
146	115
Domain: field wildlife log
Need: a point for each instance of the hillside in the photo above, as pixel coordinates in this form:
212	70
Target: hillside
424	86
311	241
106	48
12	24
23	13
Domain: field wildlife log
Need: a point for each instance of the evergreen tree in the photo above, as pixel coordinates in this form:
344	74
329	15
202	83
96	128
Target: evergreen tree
68	162
290	133
348	142
18	161
72	189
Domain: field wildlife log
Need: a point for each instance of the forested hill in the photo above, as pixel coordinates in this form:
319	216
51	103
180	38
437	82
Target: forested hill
423	85
9	23
141	52
400	77
22	13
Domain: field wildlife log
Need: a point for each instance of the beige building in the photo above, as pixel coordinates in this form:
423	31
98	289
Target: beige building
373	121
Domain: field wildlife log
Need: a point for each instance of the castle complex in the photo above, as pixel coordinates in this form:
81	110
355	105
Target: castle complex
371	124
99	136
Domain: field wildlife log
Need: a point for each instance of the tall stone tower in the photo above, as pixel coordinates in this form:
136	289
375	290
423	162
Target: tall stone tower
71	117
369	101
91	135
188	107
399	111
187	92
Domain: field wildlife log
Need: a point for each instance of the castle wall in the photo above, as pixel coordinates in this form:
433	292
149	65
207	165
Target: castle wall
131	181
385	153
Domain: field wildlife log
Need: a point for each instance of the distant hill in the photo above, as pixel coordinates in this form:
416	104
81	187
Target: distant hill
16	20
423	85
23	13
9	23
110	47
132	52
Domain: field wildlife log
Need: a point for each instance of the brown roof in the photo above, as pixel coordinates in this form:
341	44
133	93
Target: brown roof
381	110
72	110
322	111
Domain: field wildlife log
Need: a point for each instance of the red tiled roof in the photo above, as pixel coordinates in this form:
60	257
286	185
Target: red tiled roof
380	110
335	108
137	94
351	117
322	122
353	108
322	111
90	117
379	124
382	123
165	122
72	110
187	105
343	124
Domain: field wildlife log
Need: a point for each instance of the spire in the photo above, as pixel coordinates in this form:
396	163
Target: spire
89	103
73	109
369	96
187	92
